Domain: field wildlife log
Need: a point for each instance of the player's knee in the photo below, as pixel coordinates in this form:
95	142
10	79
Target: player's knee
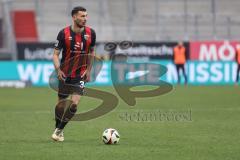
75	99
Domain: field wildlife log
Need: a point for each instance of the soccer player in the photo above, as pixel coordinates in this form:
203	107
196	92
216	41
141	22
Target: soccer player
179	58
76	43
238	62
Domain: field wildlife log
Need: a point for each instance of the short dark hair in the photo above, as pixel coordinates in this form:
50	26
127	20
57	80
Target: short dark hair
78	8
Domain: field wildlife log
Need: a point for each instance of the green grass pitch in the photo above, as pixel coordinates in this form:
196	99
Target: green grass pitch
211	132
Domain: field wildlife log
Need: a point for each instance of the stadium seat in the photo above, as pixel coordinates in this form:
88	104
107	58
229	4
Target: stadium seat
25	26
129	19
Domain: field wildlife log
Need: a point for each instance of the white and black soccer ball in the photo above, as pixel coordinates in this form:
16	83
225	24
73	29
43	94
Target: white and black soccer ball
110	136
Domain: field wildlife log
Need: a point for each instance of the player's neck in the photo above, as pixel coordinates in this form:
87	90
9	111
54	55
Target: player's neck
77	29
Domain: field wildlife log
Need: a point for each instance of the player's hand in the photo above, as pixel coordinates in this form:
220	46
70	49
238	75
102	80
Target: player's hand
86	76
61	75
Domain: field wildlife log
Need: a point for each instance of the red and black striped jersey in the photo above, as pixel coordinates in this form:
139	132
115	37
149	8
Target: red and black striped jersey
76	49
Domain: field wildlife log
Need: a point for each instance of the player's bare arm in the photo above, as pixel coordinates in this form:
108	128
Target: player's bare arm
61	75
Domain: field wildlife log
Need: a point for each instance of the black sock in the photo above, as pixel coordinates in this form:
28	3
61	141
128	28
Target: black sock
58	114
67	116
57	122
62	125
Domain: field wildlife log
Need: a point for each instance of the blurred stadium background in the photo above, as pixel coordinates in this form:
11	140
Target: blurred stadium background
210	30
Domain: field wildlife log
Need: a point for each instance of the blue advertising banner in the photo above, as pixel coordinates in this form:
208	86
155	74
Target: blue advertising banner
199	73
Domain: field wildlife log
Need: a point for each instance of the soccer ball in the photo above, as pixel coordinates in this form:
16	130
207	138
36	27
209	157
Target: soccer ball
110	136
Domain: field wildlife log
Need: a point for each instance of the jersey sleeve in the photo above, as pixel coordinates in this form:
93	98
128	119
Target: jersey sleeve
59	41
93	40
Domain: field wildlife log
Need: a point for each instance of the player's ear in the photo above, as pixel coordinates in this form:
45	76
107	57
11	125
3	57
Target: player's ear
74	17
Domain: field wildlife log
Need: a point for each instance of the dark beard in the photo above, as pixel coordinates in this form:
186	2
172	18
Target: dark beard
77	23
80	26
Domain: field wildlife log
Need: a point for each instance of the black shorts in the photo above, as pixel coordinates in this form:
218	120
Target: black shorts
70	86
